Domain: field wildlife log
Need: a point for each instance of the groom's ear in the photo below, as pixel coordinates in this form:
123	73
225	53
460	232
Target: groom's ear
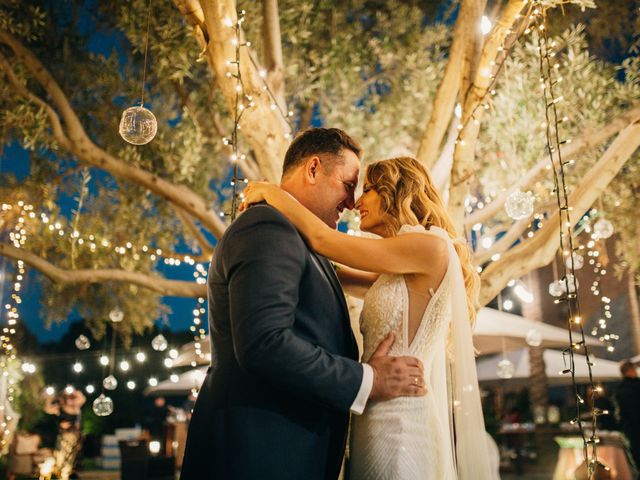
312	169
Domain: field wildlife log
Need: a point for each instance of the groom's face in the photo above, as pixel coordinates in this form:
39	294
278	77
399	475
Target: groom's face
335	187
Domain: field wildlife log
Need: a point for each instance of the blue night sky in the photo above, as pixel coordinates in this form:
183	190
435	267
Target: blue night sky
14	160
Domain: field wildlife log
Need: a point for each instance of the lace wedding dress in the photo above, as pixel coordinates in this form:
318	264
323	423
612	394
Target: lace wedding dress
419	437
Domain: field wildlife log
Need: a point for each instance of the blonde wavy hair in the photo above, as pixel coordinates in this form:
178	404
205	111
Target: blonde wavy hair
410	198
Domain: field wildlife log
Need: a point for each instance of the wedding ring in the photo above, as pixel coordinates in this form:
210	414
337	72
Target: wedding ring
415	380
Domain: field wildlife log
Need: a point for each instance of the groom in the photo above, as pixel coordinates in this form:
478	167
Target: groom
285	373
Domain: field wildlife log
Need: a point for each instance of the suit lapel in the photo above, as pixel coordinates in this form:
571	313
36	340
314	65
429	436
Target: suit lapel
333	280
335	283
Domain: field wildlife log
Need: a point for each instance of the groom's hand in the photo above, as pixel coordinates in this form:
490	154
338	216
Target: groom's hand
395	376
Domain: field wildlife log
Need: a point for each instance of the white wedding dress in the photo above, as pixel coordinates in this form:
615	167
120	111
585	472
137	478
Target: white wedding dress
411	438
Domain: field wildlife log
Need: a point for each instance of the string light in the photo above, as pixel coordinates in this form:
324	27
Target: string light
492	74
548	74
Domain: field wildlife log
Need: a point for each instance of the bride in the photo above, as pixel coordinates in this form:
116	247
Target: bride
422	289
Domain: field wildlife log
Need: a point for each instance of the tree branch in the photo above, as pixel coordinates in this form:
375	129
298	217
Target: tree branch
584	142
85	150
464	153
540	250
205	247
155	283
263	127
445	99
273	50
58	132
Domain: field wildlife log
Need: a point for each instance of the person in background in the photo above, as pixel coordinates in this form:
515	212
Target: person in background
67	408
627	397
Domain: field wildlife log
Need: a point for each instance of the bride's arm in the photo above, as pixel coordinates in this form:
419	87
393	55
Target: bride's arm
410	253
355	282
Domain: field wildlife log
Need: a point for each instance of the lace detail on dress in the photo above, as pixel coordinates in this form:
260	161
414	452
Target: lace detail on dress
406	438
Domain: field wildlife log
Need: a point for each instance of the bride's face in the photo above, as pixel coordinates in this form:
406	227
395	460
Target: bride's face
372	216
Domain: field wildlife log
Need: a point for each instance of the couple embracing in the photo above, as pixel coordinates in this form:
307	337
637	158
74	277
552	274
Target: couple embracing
285	374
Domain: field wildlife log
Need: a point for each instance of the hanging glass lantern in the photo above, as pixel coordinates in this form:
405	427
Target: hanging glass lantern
505	368
82	342
519	205
159	343
578	261
572	285
533	338
110	383
556	288
603	228
138	125
116	315
102	406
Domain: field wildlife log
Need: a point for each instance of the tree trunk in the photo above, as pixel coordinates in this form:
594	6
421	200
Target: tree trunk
538	385
634	311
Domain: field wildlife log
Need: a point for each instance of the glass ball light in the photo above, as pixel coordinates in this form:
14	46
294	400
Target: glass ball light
505	368
159	343
534	338
578	261
556	288
82	342
110	383
102	406
116	315
603	228
519	205
138	125
572	287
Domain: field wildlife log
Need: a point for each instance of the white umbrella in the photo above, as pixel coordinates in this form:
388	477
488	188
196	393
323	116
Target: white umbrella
187	355
494	328
555	363
186	381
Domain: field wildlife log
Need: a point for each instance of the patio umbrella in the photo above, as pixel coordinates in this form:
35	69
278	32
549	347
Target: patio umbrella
555	363
493	328
185	382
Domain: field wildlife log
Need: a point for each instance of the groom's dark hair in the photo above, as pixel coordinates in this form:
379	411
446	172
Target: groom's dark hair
318	141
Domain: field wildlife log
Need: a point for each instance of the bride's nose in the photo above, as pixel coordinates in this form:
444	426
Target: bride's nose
357	204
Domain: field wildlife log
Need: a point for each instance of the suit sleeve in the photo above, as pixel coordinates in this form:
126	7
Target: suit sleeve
263	262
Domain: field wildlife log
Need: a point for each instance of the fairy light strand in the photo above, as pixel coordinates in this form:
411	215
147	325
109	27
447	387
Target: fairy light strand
553	143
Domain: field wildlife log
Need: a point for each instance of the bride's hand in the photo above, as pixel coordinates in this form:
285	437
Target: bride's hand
256	192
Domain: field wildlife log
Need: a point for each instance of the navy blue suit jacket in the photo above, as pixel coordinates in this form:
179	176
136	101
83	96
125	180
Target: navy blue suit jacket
284	371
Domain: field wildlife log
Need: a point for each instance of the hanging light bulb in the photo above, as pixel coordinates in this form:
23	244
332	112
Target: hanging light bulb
174	378
533	338
131	385
505	368
141	357
82	342
116	315
556	288
102	406
124	365
153	381
110	383
159	343
77	367
138	125
485	25
104	360
603	228
89	389
578	261
523	294
519	205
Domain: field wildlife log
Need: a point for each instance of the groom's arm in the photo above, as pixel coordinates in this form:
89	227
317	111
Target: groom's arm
264	260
